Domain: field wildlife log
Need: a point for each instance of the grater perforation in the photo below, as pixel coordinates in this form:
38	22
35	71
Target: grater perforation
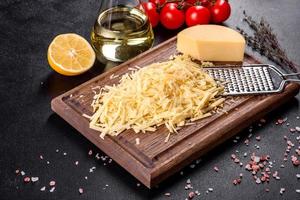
250	79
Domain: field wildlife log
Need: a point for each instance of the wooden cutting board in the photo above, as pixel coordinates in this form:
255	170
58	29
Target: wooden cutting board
153	160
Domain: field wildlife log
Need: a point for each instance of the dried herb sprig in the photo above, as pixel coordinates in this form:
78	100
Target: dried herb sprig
265	42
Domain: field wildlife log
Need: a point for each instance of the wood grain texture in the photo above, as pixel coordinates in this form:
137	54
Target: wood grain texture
153	160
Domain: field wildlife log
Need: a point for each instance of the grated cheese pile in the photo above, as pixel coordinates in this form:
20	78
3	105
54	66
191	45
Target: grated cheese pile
172	93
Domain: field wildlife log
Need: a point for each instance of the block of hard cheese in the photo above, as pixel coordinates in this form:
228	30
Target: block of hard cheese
211	43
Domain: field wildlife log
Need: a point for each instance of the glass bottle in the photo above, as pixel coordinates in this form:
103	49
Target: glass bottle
122	30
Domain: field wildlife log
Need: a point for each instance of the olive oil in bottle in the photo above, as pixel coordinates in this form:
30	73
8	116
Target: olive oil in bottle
121	33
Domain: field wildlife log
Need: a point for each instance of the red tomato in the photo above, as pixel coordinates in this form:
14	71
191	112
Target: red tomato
151	11
197	15
171	16
158	2
220	11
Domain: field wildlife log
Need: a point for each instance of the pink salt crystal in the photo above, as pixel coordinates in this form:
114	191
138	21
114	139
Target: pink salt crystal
234	182
52	183
265	162
248	167
191	195
216	168
290	143
258	181
167	194
296	162
27	179
294	158
282	190
34	179
255	167
292	130
80	190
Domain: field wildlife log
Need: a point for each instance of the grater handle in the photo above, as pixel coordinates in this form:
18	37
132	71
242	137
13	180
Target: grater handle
293	80
283	82
283	76
292	74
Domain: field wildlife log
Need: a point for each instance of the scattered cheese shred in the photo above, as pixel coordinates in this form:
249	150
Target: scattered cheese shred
167	138
137	141
86	116
170	93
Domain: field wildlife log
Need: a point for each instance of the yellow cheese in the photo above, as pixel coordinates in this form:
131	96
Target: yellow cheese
211	43
173	93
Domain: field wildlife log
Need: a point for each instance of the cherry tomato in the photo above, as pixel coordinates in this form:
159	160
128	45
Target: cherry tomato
171	16
151	11
220	11
158	2
197	15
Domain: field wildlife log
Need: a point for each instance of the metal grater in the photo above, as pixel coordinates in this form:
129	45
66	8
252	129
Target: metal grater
250	79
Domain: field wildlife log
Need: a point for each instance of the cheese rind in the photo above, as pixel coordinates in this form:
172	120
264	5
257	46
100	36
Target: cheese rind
211	43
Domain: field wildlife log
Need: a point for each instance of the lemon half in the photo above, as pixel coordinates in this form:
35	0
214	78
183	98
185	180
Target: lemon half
70	54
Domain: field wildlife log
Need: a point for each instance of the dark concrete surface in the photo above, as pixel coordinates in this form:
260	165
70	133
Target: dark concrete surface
28	127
